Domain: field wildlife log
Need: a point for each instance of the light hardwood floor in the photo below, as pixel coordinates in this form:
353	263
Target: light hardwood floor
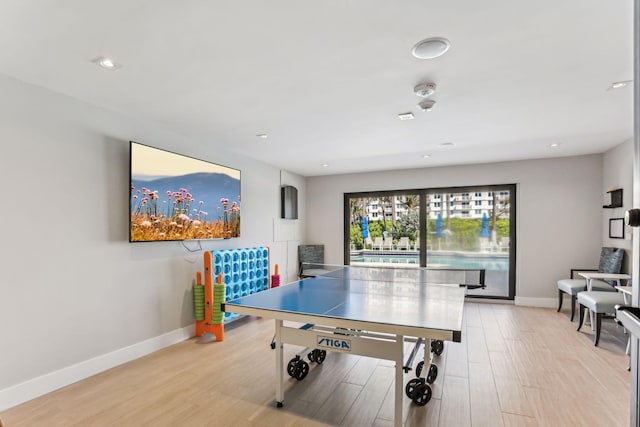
516	366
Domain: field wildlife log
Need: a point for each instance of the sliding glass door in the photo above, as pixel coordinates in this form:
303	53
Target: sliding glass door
471	227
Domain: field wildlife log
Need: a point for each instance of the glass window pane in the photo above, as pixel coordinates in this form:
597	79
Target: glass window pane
393	240
461	238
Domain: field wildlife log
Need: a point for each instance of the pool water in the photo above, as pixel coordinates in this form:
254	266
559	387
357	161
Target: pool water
445	261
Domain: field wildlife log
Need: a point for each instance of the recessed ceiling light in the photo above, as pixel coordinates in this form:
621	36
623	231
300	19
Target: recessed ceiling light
106	63
431	48
405	116
554	145
426	156
263	135
620	85
447	145
324	165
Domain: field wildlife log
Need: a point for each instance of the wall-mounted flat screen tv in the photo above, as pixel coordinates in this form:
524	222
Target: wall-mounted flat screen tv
176	197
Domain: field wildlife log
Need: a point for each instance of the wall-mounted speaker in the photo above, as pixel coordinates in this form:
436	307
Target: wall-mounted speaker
632	217
288	202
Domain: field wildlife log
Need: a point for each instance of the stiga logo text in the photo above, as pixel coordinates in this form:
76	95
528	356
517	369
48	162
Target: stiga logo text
334	343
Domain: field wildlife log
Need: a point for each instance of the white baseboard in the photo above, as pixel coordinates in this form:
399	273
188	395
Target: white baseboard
489	301
23	392
537	302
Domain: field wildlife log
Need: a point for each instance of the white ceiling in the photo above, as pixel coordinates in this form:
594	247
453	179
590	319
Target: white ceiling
326	79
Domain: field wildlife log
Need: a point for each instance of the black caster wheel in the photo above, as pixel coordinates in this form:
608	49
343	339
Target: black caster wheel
411	386
437	347
301	370
273	346
433	374
291	366
297	368
279	404
419	368
317	356
421	394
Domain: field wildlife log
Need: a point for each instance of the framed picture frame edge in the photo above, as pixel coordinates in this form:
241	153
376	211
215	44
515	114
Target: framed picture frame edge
616	228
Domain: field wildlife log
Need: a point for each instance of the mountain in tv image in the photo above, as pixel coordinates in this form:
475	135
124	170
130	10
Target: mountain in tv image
209	187
191	206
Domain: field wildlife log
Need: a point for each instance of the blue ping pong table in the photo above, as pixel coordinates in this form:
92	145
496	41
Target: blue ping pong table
364	311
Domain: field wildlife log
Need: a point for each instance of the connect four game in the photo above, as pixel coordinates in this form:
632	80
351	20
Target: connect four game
228	274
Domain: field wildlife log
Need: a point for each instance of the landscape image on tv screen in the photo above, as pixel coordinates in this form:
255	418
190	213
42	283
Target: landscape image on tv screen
176	197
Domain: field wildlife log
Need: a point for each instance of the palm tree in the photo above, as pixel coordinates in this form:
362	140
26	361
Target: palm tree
356	209
384	201
448	206
411	202
394	212
495	214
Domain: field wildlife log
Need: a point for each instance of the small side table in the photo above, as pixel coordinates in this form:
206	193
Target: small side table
603	276
626	294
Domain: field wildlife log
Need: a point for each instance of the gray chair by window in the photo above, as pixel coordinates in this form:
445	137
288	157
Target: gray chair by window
610	262
311	261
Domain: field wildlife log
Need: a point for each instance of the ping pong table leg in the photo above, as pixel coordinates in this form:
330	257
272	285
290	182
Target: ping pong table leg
397	418
427	357
279	365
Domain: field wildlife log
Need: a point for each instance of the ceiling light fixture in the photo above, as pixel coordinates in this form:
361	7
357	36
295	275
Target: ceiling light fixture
554	145
263	135
620	85
106	63
324	165
426	156
447	145
431	48
406	116
424	90
426	105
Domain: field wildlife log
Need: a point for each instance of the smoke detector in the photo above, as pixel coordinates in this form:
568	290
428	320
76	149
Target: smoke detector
427	104
424	90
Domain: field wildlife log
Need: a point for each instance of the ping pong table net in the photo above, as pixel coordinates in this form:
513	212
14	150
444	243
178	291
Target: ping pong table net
464	277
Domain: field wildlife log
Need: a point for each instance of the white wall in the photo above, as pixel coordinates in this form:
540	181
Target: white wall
559	212
618	173
75	296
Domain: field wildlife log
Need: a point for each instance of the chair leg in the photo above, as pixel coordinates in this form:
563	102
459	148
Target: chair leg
581	318
598	325
559	299
573	306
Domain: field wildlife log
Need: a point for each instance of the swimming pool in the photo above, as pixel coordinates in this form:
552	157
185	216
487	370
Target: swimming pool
497	263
